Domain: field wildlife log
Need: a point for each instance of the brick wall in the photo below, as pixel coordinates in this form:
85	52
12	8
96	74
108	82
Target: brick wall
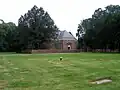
54	51
72	44
64	51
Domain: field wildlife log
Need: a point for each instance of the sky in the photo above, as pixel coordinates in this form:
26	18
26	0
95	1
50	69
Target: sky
67	14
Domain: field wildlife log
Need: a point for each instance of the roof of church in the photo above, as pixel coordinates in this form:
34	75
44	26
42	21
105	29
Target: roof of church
64	35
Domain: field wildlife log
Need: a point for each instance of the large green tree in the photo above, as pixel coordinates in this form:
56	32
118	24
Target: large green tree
102	30
7	32
36	29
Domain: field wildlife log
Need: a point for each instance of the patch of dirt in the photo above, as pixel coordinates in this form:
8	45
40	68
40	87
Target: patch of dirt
25	72
8	74
5	70
3	84
16	68
1	67
33	59
61	63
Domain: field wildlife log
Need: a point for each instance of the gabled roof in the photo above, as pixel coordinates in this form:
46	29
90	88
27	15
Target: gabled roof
64	35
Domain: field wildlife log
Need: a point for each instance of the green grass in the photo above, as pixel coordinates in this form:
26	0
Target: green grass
46	72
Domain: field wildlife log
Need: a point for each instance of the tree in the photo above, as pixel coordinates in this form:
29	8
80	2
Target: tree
6	35
102	30
36	28
80	34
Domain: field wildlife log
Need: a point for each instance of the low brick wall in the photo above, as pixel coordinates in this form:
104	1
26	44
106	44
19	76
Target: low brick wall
65	51
53	51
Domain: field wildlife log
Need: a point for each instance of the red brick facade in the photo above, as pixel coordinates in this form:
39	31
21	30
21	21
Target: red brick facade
64	44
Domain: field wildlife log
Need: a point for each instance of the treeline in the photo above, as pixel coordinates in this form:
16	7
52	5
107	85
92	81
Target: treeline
35	30
101	31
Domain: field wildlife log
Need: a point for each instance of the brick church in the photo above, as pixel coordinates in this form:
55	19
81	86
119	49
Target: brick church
66	40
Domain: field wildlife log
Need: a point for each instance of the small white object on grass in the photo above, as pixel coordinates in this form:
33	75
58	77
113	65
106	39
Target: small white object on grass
101	81
61	58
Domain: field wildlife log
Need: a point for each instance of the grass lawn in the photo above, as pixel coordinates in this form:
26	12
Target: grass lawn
46	72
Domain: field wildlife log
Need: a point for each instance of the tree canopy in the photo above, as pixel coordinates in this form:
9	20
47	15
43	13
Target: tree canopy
101	31
7	32
36	27
35	30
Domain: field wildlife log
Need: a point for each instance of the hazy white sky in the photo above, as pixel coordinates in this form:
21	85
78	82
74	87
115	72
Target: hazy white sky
67	14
